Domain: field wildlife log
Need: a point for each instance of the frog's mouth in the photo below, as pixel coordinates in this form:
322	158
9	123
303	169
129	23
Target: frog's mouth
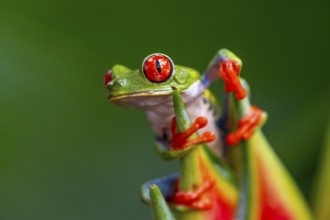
152	98
149	93
142	99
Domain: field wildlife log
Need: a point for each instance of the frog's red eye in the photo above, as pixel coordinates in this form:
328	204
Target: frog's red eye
107	77
158	67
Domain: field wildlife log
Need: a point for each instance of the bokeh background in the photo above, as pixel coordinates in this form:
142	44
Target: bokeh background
66	153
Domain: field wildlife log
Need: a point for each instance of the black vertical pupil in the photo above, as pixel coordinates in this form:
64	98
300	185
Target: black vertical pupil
158	66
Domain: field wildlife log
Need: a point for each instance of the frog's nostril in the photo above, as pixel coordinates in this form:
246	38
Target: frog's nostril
107	77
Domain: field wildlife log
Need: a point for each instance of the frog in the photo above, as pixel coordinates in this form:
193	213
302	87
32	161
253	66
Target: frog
205	186
148	88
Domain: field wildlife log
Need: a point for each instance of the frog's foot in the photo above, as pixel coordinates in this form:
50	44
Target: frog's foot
229	71
246	126
193	199
180	140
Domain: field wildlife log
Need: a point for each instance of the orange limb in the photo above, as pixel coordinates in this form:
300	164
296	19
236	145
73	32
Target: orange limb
193	198
229	71
246	126
180	140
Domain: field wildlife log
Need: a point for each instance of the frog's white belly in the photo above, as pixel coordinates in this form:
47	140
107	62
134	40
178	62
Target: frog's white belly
160	116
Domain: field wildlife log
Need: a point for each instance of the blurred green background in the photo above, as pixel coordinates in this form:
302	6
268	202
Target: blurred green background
66	153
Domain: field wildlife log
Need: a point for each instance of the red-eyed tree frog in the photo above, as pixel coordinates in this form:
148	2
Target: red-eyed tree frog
149	88
205	187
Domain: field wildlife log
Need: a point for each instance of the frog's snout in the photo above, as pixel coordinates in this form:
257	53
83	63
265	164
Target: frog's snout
107	78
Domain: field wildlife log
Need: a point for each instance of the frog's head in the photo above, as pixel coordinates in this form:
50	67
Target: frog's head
150	84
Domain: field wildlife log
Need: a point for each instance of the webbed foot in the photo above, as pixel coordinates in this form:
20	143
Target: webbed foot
180	140
246	126
229	71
